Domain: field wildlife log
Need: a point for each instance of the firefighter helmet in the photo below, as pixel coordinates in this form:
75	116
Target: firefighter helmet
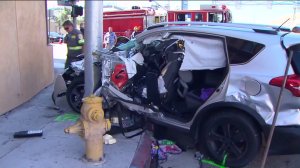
136	28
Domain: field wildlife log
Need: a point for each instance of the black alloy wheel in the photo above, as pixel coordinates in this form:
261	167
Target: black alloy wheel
231	134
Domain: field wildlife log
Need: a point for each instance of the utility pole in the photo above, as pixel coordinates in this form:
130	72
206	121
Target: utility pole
100	28
92	14
99	35
184	4
294	13
74	18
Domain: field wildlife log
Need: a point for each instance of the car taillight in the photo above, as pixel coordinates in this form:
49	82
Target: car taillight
292	83
119	76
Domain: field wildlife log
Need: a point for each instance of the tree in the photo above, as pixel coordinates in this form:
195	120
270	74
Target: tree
61	15
80	19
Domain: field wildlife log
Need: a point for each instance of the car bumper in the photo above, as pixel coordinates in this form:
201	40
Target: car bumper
60	88
285	140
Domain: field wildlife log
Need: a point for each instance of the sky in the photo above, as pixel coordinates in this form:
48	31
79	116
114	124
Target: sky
256	12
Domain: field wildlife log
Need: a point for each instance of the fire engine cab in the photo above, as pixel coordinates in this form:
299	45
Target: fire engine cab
207	13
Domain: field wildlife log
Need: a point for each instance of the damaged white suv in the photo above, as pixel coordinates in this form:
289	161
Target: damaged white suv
219	82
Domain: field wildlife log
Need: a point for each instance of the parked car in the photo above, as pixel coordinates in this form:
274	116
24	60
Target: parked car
218	81
55	37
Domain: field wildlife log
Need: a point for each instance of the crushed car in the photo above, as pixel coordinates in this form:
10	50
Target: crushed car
219	82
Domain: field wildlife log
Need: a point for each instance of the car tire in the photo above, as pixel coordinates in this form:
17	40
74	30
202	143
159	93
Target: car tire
233	134
75	94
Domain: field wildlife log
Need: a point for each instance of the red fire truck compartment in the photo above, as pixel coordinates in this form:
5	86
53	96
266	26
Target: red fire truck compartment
123	22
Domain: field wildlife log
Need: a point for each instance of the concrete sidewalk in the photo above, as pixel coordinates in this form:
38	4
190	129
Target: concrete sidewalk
54	149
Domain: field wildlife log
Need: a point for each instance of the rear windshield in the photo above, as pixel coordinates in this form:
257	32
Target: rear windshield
296	62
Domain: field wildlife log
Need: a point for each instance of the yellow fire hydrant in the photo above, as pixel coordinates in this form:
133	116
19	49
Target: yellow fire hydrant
91	127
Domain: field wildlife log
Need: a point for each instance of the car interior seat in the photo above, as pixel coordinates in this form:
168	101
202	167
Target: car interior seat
170	77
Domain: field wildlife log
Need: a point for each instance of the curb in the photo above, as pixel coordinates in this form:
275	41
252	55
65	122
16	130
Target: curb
142	155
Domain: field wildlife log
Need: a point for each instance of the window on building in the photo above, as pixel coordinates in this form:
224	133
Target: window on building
159	19
241	51
151	20
162	18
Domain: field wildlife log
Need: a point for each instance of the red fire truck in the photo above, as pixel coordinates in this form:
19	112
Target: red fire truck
124	21
207	13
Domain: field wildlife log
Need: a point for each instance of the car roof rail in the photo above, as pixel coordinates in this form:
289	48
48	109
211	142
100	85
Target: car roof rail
255	27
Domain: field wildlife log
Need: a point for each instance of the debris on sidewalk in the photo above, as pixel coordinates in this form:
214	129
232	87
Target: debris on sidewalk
27	134
157	152
210	163
109	140
67	117
162	148
169	146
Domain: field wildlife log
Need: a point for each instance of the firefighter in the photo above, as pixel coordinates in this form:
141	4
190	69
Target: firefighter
110	39
82	28
134	33
74	40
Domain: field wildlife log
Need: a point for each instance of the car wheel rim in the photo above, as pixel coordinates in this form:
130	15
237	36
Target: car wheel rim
76	96
227	139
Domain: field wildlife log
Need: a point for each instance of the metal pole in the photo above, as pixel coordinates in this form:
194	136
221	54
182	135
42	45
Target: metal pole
49	27
74	18
294	14
100	28
276	111
92	9
99	35
184	4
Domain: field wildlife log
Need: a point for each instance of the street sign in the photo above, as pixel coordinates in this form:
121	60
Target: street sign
77	11
66	2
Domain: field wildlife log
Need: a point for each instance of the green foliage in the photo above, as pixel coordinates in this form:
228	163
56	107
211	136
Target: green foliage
61	15
80	19
67	117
